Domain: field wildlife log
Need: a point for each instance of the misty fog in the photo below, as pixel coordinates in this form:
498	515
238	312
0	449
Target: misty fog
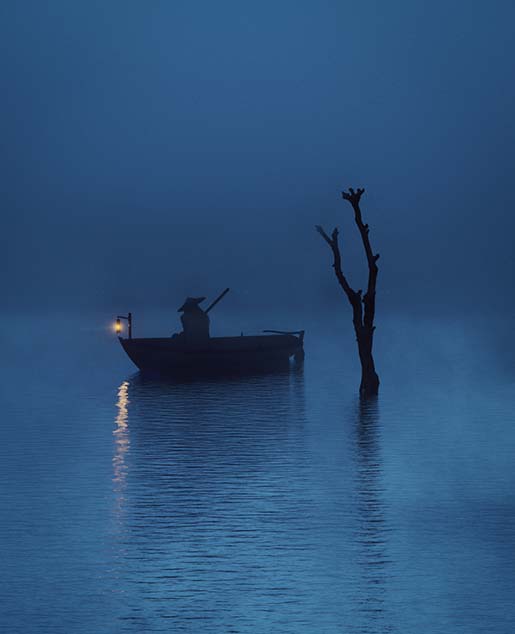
154	150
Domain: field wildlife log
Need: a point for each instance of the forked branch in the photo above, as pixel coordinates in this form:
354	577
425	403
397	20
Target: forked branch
354	197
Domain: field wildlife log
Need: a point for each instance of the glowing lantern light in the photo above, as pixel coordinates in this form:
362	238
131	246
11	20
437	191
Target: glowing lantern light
118	327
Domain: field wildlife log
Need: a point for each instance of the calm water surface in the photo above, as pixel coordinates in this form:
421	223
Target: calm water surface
274	503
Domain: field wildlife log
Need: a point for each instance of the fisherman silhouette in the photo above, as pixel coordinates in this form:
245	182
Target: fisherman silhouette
195	322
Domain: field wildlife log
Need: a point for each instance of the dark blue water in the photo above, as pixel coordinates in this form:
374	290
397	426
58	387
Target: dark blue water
274	503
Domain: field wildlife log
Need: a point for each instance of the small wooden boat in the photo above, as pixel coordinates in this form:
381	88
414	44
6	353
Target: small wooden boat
183	355
216	355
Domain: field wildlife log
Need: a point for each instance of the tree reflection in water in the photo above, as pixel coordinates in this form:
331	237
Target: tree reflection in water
215	493
373	529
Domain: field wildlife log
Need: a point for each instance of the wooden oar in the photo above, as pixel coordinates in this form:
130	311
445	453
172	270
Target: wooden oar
222	295
285	332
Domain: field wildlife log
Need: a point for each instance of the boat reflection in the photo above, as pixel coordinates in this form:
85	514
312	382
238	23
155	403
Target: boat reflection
190	442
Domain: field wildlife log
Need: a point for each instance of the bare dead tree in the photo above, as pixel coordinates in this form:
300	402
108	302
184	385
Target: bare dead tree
363	306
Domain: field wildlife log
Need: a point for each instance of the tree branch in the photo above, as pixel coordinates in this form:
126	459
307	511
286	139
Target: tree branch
354	198
353	296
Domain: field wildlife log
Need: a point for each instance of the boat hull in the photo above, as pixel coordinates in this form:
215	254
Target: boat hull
216	355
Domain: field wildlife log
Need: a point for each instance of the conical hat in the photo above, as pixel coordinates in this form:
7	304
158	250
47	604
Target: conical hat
191	302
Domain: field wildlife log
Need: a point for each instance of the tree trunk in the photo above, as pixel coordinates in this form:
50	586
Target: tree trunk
369	385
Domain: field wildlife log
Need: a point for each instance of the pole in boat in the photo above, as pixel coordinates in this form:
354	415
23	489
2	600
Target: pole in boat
213	304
